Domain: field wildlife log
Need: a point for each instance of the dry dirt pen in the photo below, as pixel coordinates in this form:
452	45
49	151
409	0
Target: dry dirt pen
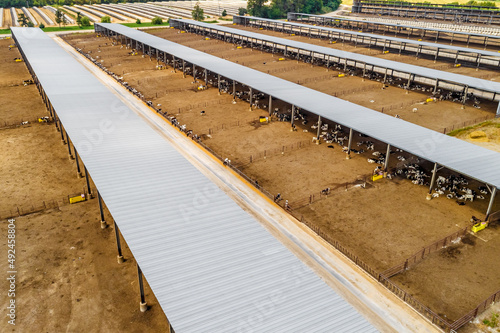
68	278
33	155
19	102
440	116
382	224
67	274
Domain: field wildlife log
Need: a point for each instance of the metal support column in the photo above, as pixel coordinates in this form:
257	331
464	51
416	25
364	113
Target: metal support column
234	91
349	145
78	170
433	179
490	205
69	145
251	98
466	90
143	305
218	83
271	105
89	191
101	211
62	132
206	77
183	68
119	257
387	155
498	111
319	129
293	116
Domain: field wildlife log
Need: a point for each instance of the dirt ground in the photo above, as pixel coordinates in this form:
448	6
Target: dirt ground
32	169
26	146
7	20
363	220
474	257
438	116
19	102
68	279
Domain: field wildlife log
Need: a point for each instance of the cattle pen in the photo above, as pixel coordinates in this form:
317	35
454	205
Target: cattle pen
220	73
456	54
204	265
390	72
480	38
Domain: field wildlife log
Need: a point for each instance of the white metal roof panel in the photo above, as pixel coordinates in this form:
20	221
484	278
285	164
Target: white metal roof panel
212	267
333	18
472	82
460	156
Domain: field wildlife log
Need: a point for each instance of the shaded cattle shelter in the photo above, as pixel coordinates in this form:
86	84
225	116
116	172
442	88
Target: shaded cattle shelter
462	157
405	73
211	265
456	13
401	45
398	29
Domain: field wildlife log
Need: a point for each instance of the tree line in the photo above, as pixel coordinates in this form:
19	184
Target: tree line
279	8
41	3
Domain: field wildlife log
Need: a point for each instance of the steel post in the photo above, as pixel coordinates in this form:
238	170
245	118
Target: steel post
387	155
251	98
319	129
78	170
349	145
69	145
143	305
271	105
433	179
490	205
118	244
101	211
89	190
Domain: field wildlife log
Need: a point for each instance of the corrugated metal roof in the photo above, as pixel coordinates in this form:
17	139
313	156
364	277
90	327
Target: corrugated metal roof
472	82
375	36
333	18
463	157
212	266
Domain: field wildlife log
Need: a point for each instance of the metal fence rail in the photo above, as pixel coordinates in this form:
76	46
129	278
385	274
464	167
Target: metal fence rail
424	252
26	209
